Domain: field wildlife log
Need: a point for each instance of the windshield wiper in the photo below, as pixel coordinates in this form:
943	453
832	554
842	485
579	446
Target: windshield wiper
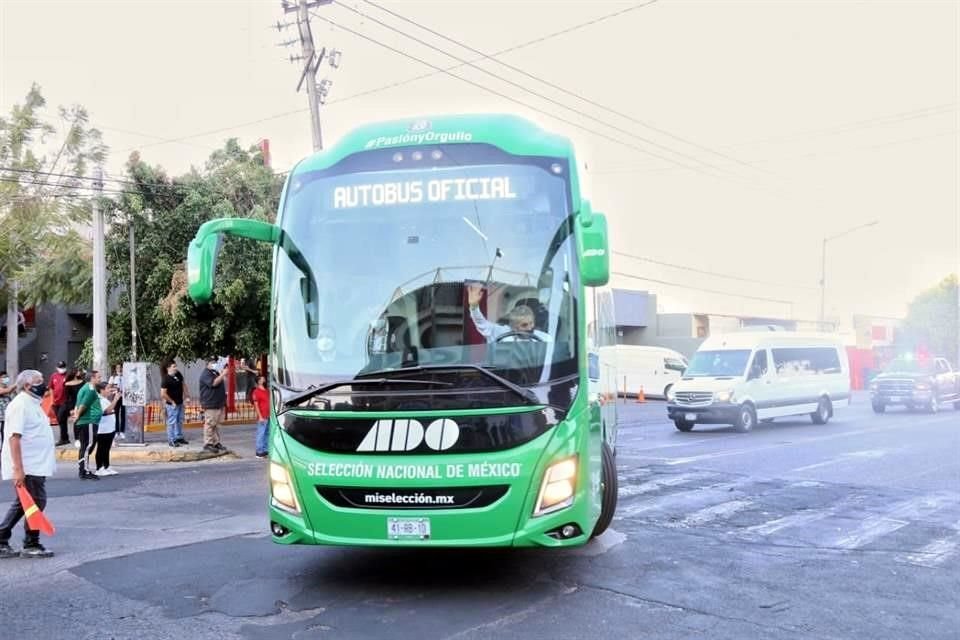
526	394
314	391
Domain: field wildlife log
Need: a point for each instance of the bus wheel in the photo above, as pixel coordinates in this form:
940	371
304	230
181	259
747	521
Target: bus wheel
683	425
610	488
745	419
822	414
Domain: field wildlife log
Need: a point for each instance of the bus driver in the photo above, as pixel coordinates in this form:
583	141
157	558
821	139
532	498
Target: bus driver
521	320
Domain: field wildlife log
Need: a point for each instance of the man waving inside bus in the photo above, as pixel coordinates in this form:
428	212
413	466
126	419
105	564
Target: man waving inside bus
521	321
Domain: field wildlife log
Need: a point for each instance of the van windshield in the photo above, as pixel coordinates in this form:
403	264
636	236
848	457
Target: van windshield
716	364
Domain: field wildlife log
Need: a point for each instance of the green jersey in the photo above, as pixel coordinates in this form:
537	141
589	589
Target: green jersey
89	398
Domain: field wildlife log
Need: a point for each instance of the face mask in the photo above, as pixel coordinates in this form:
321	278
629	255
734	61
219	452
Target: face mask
212	366
61	370
5	380
38	390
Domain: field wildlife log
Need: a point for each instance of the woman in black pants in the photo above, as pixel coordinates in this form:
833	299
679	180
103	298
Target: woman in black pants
71	388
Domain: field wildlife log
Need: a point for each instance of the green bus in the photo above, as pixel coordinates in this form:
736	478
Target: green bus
437	310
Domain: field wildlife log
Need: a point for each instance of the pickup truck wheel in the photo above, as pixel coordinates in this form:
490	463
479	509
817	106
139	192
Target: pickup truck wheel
822	414
683	425
746	418
879	407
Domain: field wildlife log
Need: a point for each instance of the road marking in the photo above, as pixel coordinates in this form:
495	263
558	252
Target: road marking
683	499
803	441
709	514
793	520
932	554
658	483
897	517
935	553
869	454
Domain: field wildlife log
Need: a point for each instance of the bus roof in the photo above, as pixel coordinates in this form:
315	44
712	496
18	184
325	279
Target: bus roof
754	340
510	133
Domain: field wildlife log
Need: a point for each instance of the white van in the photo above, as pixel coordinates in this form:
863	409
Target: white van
655	369
740	378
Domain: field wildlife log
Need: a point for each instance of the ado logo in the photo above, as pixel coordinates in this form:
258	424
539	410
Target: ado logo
407	435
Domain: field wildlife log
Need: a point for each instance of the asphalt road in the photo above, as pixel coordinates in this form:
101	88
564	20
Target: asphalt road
848	530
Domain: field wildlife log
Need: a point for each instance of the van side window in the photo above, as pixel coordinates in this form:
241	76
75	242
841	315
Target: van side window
759	367
806	361
672	364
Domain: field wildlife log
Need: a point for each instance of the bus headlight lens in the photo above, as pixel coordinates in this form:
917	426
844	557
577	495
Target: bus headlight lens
281	488
558	487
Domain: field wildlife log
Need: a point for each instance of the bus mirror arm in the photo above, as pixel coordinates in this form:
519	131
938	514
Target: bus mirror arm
205	246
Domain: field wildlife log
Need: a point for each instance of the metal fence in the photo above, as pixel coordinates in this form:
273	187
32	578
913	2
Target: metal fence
155	418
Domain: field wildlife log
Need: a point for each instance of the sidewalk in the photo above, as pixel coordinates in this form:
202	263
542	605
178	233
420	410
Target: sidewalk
239	441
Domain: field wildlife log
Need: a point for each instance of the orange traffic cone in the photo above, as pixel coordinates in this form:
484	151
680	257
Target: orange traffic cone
640	397
35	517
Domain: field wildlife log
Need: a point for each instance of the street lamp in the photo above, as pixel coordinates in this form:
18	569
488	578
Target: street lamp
823	264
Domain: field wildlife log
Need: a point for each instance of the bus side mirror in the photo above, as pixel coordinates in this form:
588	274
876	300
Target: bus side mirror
205	247
594	251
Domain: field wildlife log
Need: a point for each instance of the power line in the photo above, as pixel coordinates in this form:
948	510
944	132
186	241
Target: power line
393	85
574	94
38	172
537	94
712	273
694	288
599	134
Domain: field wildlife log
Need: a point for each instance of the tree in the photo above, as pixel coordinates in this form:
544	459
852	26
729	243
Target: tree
44	199
165	214
932	321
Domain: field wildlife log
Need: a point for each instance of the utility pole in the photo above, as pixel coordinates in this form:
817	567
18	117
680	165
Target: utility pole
823	266
13	324
133	297
316	92
99	278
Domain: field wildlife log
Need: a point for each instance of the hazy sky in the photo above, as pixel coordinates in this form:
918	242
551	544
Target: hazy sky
780	122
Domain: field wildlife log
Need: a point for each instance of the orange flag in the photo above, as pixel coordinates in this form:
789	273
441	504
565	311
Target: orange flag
35	517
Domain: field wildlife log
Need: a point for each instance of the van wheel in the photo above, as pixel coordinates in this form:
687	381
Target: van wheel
822	414
683	425
746	419
610	489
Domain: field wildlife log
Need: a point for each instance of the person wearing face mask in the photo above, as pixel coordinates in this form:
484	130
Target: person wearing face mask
7	392
213	399
59	392
27	460
521	318
87	414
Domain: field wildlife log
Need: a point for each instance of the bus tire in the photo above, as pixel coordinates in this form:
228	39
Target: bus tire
746	419
683	425
822	414
610	489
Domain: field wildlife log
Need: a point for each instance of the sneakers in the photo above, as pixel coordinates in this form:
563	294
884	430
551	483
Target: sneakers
105	472
181	441
263	454
60	443
220	447
174	444
35	551
209	448
6	551
76	444
121	436
87	475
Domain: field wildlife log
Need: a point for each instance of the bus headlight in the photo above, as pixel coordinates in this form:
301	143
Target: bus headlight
558	487
723	396
281	488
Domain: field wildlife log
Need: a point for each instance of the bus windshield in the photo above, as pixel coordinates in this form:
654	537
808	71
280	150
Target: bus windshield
428	257
717	364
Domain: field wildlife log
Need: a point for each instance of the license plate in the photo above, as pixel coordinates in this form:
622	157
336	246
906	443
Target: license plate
894	399
691	417
407	528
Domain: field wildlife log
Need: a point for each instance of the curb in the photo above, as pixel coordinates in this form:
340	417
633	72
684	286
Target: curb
149	454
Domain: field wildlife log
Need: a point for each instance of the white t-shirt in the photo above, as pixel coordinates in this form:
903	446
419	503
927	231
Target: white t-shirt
118	381
24	416
108	422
